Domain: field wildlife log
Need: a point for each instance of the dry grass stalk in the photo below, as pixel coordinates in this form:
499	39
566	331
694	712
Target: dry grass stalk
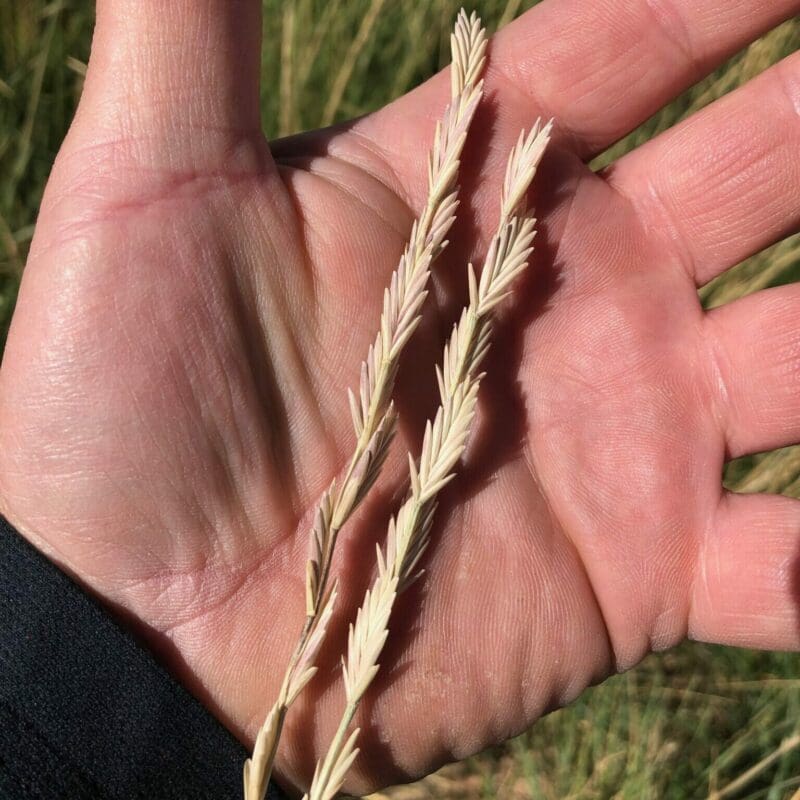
443	444
372	412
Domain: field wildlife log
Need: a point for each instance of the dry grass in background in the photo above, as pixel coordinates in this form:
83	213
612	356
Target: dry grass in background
696	722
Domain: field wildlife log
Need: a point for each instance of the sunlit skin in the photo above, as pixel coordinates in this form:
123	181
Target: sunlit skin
173	394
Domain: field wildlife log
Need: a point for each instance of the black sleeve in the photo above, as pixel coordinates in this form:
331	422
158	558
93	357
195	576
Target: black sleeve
86	713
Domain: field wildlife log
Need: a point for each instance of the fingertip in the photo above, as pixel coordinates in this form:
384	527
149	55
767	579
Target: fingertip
746	590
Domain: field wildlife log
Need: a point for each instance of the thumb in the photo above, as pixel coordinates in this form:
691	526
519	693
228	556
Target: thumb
176	84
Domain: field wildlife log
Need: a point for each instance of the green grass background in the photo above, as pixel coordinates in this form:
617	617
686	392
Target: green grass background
696	722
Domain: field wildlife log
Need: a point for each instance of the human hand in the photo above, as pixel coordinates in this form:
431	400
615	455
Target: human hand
173	392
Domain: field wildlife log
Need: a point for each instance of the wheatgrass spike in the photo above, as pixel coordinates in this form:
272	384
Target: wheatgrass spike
371	409
443	444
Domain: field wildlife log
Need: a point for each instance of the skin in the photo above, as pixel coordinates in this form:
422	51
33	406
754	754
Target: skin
173	392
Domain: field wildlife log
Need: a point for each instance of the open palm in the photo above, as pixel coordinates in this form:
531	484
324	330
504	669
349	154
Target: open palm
173	392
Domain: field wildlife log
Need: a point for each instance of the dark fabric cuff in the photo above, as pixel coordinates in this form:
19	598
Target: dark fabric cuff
85	711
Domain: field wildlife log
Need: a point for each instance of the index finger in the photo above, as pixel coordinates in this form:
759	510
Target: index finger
599	67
